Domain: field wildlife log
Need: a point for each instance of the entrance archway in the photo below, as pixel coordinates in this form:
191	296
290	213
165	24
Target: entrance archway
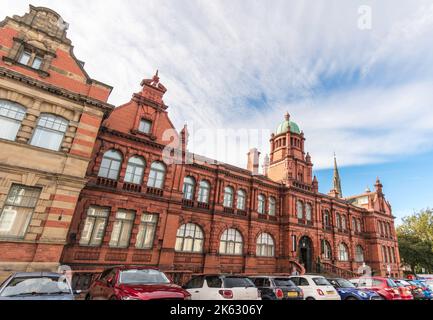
306	253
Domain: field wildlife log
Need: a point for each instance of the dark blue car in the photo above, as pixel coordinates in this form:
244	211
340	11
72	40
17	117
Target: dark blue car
36	286
348	291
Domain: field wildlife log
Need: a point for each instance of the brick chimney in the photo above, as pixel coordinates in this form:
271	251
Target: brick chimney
265	166
253	161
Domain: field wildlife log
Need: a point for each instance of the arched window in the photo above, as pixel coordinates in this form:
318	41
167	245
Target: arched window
308	212
203	191
189	238
326	220
272	206
353	224
343	222
326	250
135	170
241	200
359	226
231	242
343	252
338	220
49	132
265	245
110	165
228	197
188	188
11	115
359	254
299	209
261	204
156	175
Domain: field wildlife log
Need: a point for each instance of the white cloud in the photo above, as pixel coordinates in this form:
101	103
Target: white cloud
215	57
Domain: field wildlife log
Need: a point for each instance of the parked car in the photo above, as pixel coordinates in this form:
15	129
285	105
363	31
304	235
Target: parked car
383	286
134	283
424	287
222	287
277	288
315	287
348	291
36	286
408	291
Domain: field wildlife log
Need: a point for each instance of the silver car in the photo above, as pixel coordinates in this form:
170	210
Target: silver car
36	286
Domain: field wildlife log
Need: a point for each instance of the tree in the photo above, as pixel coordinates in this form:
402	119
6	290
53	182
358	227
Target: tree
415	241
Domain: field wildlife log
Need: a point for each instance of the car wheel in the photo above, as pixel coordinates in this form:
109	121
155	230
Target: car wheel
351	298
113	298
310	298
88	297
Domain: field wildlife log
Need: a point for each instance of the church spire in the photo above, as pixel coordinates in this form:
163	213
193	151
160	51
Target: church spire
336	180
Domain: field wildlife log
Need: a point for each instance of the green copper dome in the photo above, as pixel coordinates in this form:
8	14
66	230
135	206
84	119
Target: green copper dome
286	124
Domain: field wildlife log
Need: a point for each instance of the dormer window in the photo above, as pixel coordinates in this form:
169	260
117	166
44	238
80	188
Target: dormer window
31	59
37	62
25	57
31	54
145	126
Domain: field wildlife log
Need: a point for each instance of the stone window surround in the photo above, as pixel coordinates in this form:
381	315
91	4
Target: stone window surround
35	227
18	47
35	107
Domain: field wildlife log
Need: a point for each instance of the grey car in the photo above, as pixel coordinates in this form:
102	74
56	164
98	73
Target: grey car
36	286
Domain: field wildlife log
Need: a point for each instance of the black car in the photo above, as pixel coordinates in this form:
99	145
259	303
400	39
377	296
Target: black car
277	288
36	286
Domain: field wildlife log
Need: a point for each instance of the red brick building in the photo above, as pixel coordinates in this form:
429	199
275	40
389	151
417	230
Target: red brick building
201	216
50	114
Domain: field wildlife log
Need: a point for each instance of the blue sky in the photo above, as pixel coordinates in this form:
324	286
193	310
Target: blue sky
365	94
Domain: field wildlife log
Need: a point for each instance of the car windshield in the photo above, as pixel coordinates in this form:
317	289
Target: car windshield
237	282
391	283
283	282
24	286
319	281
343	283
142	276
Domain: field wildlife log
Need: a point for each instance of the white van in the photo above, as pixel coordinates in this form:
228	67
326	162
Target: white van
222	287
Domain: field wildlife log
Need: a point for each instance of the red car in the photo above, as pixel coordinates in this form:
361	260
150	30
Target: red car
385	287
135	283
405	289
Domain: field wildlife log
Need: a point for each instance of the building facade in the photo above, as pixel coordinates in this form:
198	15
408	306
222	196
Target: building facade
198	215
50	113
75	192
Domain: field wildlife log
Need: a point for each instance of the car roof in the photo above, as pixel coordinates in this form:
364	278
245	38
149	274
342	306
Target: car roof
220	275
35	274
309	275
270	277
123	267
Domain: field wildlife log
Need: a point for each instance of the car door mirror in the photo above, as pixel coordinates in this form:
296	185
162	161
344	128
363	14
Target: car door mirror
77	292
